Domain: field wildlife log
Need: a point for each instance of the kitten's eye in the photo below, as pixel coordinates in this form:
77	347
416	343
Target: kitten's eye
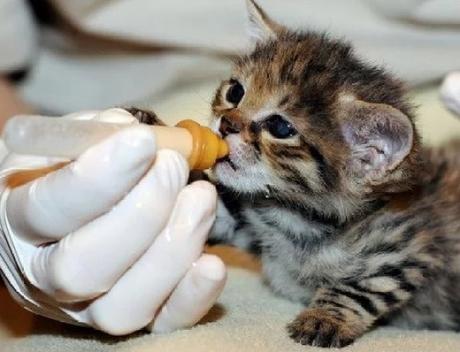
279	127
235	93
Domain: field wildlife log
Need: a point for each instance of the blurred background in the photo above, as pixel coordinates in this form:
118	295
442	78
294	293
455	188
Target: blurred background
60	56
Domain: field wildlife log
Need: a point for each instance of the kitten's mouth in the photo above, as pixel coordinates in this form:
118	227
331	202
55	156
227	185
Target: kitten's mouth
239	158
229	162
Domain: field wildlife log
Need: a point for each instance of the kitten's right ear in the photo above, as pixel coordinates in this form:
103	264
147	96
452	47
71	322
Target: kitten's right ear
380	138
261	26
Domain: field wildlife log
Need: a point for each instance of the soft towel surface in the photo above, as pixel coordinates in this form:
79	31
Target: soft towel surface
249	317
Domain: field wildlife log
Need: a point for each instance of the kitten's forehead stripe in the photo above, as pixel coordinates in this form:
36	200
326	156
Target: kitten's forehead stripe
284	101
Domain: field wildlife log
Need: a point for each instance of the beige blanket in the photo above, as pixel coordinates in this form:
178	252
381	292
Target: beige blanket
248	316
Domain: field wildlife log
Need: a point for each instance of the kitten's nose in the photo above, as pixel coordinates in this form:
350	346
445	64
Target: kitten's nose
228	126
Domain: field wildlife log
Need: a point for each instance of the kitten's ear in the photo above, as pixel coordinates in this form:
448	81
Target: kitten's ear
380	137
261	26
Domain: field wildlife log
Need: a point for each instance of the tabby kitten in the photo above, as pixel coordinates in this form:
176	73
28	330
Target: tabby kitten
327	182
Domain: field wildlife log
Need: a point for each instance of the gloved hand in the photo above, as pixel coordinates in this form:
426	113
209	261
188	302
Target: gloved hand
113	240
450	92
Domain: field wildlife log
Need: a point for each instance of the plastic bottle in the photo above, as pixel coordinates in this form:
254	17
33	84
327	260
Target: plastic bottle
55	137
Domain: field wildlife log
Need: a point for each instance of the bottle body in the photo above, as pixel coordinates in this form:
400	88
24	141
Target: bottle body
55	137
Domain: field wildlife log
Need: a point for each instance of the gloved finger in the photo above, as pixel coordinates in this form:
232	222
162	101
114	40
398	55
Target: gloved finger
82	115
132	302
193	297
90	260
49	207
450	92
116	116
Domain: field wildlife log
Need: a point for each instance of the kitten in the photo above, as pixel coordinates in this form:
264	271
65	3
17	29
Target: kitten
327	182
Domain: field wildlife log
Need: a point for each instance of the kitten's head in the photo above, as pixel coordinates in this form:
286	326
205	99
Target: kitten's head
305	118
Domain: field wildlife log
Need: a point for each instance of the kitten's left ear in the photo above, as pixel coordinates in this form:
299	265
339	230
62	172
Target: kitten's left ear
380	137
261	26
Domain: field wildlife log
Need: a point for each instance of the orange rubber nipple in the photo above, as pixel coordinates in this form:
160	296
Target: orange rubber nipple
207	146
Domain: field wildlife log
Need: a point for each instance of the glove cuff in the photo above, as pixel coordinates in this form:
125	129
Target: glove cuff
15	256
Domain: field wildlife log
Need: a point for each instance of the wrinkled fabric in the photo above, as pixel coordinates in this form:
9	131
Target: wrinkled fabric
418	40
18	36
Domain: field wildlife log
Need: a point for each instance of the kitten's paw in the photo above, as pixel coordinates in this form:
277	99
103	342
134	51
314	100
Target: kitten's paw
145	116
322	328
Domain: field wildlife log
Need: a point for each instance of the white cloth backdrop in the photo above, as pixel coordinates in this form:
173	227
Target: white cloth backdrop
417	39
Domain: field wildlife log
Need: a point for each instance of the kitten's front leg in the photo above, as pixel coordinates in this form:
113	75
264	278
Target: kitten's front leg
339	315
145	116
330	321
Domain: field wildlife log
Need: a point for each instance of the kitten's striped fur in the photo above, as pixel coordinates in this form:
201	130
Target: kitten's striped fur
349	215
358	248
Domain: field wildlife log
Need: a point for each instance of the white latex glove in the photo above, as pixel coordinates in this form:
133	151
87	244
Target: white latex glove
450	92
113	240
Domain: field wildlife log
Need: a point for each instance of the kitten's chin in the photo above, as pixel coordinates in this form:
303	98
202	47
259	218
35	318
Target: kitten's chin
241	170
241	179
